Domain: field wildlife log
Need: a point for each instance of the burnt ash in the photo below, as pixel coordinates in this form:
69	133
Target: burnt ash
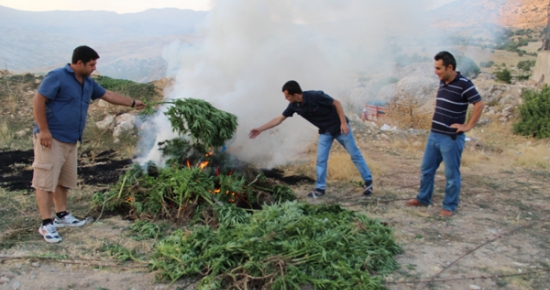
278	174
16	171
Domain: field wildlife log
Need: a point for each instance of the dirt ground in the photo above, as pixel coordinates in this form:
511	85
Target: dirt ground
497	239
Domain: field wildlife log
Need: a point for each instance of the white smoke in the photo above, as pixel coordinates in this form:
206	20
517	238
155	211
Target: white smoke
249	49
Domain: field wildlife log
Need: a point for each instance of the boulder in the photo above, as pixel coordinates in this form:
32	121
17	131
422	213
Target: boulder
107	122
123	123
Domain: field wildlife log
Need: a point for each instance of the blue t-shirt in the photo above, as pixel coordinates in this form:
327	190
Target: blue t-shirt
318	108
68	101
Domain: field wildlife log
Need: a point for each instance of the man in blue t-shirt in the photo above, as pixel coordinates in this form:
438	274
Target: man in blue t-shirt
446	140
327	114
60	109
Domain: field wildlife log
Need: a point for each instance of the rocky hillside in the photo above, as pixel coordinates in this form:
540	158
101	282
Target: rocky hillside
519	14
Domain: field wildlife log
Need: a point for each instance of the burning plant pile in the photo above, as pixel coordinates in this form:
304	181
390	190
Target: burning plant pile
198	173
244	230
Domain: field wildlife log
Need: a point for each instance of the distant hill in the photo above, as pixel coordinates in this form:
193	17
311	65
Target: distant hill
130	45
508	13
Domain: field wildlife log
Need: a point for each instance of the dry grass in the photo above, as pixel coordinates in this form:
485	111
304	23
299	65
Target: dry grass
408	112
471	158
12	103
340	167
412	144
6	135
528	155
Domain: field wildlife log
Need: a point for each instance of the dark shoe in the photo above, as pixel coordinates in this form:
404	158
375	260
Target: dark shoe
414	202
316	193
368	188
446	213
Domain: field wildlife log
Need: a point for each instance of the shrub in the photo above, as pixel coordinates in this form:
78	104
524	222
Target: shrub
526	64
534	114
504	75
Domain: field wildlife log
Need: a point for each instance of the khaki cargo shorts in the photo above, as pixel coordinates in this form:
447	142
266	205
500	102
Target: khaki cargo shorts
54	166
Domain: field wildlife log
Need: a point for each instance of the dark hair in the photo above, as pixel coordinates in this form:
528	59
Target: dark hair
447	58
292	87
84	53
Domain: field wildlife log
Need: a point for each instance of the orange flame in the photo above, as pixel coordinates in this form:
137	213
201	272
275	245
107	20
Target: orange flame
203	164
188	163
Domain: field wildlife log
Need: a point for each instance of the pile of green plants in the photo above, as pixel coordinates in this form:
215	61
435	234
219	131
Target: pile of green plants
534	114
283	246
198	174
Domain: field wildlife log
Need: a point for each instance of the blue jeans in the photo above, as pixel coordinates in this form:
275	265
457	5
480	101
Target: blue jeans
323	150
441	147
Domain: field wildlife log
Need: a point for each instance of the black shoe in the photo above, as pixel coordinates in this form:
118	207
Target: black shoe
367	188
316	193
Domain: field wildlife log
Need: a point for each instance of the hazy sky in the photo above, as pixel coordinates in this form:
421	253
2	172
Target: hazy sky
123	6
120	6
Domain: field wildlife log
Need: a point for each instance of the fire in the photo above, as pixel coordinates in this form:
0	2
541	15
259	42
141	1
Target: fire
203	164
188	163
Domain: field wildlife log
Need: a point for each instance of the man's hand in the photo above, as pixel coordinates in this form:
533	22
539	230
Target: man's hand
45	138
461	128
344	129
139	105
254	133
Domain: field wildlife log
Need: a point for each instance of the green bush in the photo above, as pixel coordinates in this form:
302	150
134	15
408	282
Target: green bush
467	67
534	114
526	64
504	75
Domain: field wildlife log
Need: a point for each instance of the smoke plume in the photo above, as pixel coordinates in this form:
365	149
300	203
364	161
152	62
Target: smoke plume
248	49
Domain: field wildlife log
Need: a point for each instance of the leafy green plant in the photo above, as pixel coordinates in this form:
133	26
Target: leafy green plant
282	246
534	117
147	230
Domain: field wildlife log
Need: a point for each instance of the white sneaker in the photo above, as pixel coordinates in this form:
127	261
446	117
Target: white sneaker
50	234
68	221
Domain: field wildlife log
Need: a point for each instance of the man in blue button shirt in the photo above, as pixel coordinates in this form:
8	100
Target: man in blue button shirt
327	114
60	109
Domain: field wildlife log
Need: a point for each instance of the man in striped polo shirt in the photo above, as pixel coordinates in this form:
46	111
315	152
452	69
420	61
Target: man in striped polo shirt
446	140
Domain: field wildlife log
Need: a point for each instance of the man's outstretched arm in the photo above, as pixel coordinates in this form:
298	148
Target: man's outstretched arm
273	123
117	99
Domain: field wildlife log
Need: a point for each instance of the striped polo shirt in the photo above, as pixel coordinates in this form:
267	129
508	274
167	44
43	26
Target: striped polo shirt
452	104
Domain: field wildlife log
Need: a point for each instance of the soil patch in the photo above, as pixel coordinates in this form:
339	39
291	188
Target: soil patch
104	168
